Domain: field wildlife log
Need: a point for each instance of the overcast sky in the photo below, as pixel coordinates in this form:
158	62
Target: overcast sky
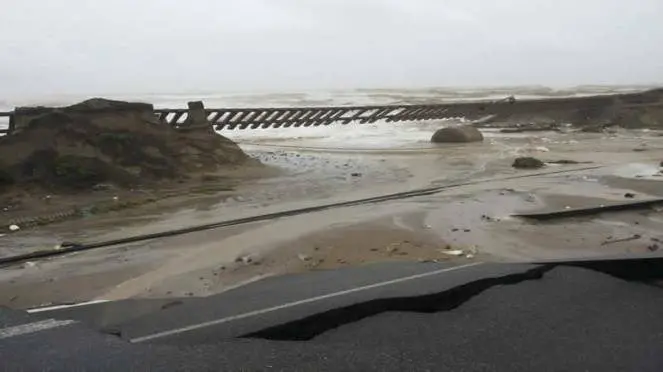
111	46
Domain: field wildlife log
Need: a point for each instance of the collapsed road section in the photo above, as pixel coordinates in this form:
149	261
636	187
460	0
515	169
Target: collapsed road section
598	313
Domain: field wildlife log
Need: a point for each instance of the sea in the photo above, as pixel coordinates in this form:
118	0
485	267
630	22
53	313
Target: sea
376	136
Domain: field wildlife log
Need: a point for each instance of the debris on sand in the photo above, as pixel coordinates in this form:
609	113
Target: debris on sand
102	144
528	163
304	257
455	252
567	162
248	259
531	128
622	240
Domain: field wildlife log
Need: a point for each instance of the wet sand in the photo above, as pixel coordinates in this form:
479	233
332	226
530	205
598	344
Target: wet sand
473	220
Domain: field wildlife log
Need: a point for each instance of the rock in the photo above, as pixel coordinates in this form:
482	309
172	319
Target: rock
457	134
14	228
653	248
248	259
528	163
304	257
629	195
356	174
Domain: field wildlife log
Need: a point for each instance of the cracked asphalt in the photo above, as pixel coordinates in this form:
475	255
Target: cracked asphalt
566	316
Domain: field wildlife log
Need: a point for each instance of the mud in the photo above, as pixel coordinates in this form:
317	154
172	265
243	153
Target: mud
475	219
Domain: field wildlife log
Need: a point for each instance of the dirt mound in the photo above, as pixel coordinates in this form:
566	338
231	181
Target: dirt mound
630	110
103	141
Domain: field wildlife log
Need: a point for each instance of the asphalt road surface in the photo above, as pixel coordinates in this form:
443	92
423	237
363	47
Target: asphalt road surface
561	316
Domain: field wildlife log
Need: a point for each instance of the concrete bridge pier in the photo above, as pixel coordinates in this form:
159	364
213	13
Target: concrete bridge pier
196	118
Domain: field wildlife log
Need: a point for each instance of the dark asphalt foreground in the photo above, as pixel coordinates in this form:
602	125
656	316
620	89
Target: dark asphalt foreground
562	316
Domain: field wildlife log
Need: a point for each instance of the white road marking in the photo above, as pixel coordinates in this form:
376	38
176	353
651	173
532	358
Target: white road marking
295	303
24	329
57	307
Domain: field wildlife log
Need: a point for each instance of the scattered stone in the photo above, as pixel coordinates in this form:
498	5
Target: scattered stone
456	253
341	261
374	249
392	248
248	259
356	174
528	163
455	229
457	134
653	248
14	228
29	264
629	195
304	257
467	230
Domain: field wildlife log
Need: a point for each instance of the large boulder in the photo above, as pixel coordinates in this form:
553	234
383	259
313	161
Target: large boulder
458	134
